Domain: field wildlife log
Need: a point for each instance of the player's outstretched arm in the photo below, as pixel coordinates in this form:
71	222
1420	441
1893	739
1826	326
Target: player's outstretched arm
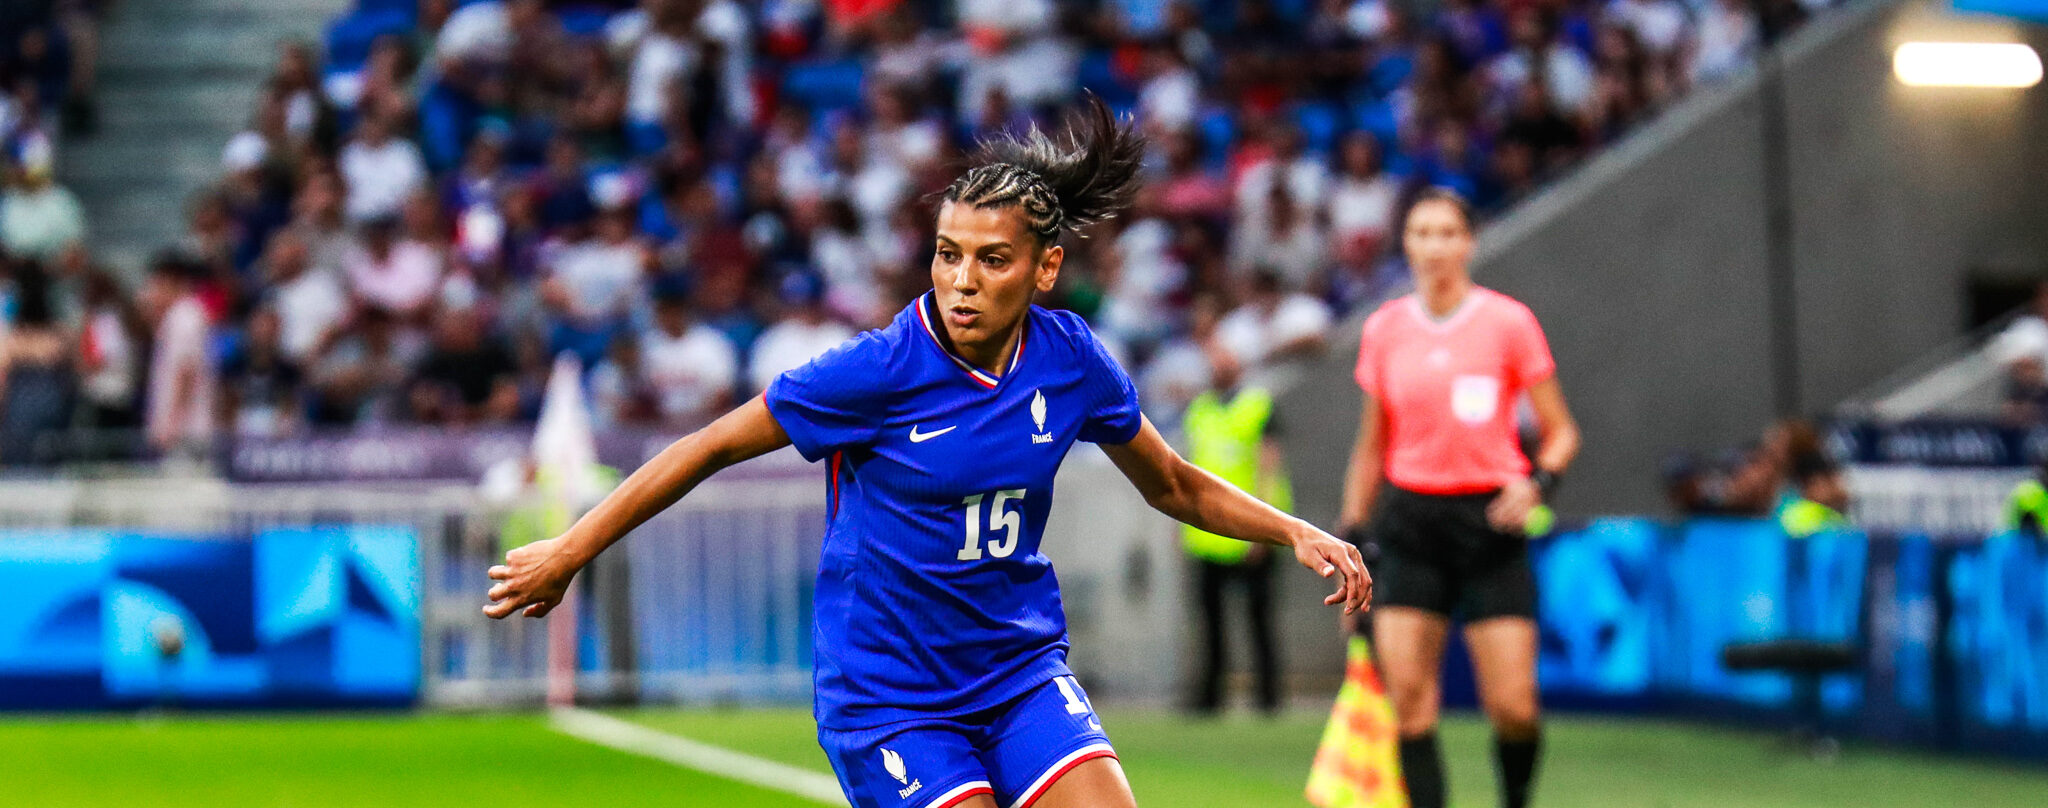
534	577
1186	492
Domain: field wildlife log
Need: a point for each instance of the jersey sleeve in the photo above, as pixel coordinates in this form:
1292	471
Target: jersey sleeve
1367	373
832	402
1113	416
1528	351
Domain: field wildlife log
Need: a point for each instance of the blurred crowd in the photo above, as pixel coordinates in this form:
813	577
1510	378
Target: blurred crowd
47	54
691	196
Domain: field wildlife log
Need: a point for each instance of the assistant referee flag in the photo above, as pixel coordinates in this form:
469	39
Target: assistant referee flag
1358	764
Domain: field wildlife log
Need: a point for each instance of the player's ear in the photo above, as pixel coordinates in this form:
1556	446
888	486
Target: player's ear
1049	267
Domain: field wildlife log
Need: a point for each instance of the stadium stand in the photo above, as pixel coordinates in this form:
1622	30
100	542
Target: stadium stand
441	195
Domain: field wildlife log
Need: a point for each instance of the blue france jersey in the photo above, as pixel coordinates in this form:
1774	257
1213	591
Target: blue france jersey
933	598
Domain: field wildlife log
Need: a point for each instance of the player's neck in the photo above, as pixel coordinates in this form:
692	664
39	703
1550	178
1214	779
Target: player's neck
993	356
1441	297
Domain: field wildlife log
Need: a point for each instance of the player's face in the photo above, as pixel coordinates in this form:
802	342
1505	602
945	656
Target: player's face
985	268
1438	240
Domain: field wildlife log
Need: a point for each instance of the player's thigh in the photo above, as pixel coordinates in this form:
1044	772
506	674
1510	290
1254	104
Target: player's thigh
1504	663
1095	783
1409	644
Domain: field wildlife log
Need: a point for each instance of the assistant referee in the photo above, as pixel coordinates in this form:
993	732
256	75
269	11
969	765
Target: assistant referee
1443	370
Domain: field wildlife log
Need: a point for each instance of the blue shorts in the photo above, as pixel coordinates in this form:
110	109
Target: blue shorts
1013	751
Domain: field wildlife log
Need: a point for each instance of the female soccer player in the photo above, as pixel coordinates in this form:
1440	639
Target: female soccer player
1442	371
941	649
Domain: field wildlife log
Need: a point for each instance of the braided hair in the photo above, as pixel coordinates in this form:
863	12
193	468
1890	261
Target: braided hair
1083	176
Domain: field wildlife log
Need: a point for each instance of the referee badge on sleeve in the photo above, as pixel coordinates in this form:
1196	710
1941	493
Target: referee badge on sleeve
1474	398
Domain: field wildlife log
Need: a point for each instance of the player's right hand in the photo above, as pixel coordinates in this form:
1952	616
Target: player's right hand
534	577
1329	556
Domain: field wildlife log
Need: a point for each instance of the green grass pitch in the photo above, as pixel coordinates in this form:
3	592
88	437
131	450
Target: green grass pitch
398	761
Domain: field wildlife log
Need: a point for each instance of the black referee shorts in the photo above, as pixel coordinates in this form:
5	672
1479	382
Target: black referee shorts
1437	553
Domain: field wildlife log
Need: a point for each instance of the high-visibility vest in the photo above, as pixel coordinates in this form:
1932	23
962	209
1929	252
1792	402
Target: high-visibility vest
1804	518
2027	507
1223	438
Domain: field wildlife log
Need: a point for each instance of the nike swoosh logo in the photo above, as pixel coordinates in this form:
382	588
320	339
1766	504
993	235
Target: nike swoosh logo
920	438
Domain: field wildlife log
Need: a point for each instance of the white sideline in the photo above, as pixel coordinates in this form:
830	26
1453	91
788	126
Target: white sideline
629	737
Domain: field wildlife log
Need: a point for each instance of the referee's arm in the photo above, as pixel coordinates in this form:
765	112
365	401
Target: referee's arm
1363	474
1560	441
1509	512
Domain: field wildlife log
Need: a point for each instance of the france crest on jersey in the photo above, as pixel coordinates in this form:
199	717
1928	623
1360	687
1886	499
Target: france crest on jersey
932	595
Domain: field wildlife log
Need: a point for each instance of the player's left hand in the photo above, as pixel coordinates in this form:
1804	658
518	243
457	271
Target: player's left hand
1328	556
1509	511
534	577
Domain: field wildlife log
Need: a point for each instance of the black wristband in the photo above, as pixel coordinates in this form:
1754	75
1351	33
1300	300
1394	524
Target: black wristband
1546	482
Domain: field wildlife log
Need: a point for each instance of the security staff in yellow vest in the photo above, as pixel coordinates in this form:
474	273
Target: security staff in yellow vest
1230	431
1821	500
2026	508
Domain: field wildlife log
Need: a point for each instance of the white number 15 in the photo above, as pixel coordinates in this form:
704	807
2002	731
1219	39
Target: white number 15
1000	517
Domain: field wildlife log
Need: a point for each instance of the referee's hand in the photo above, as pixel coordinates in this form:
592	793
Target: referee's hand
1329	556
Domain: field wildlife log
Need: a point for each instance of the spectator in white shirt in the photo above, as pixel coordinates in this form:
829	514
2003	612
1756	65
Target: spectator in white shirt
1728	34
1660	25
38	217
2026	337
1172	94
1539	51
398	277
1286	237
182	373
898	136
691	367
1363	198
668	44
803	332
1274	325
310	303
380	168
1306	177
476	32
592	283
1019	55
873	186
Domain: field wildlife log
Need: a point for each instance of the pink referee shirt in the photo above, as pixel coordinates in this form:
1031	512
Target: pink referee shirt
1449	388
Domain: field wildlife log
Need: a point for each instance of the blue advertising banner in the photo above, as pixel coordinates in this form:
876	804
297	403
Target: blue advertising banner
1952	636
2035	10
304	616
1999	633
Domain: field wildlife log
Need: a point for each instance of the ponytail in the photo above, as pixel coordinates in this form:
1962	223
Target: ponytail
1086	175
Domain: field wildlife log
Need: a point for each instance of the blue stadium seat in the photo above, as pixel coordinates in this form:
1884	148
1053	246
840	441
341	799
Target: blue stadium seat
584	20
1387	74
824	85
1097	72
1377	116
1320	123
409	8
350	37
1218	130
446	122
644	138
